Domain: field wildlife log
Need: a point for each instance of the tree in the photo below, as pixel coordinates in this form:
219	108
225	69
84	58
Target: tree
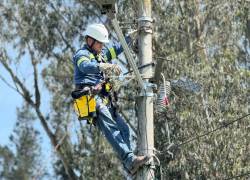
6	162
47	34
202	42
24	161
206	42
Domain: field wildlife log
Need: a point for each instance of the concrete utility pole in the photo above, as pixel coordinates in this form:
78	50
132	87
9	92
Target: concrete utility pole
145	99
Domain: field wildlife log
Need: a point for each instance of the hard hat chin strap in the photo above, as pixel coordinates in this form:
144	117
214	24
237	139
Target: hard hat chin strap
92	44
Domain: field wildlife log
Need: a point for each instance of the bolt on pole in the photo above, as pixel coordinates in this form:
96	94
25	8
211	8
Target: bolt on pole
145	99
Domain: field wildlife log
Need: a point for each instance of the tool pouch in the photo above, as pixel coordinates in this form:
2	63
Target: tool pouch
84	105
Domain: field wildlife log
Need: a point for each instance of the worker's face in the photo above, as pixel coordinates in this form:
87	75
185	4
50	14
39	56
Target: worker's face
97	46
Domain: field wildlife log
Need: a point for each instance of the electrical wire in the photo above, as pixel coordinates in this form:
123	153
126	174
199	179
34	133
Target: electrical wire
228	178
238	176
214	130
210	132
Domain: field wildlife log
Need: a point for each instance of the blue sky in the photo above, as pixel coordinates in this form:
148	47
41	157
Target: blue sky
9	98
9	101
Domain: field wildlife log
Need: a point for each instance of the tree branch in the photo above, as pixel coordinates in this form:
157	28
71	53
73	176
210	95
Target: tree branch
27	97
37	92
10	86
65	41
25	92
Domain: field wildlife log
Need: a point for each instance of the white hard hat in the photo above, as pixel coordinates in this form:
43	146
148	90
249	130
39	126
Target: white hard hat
98	32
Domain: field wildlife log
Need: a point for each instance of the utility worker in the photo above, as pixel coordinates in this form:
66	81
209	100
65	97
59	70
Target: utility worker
90	63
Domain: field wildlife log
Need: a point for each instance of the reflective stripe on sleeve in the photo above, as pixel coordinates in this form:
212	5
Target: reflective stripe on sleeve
112	52
81	60
91	56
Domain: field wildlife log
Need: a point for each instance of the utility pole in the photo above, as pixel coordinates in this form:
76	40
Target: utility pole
146	95
145	99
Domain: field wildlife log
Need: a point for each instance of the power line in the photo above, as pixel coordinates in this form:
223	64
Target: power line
228	178
238	176
207	133
214	130
210	132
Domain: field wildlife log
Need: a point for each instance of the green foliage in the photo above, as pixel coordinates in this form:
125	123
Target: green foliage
53	32
6	162
24	161
205	41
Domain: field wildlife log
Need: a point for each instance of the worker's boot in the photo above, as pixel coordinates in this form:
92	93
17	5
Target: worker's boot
138	162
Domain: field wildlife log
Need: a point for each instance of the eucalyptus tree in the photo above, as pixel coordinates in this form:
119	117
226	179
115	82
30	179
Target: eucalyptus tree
206	42
43	36
22	159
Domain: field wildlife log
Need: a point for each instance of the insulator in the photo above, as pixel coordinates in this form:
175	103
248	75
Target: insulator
162	95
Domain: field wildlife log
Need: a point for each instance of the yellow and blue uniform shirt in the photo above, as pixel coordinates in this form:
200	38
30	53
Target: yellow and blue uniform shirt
86	63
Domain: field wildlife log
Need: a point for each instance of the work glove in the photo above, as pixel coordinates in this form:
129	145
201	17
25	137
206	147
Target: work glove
107	67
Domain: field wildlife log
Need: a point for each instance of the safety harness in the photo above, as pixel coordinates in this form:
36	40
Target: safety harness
84	96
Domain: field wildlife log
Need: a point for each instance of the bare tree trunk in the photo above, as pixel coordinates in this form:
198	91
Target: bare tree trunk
26	94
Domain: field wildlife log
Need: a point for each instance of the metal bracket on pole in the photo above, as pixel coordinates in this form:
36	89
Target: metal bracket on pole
145	24
149	90
145	18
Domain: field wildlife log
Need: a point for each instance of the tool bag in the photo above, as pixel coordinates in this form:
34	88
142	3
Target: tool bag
84	104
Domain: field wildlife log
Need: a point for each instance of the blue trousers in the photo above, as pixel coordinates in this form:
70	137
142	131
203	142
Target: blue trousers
116	131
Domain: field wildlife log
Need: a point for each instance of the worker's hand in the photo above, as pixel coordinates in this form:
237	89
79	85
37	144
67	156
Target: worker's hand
117	69
110	67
